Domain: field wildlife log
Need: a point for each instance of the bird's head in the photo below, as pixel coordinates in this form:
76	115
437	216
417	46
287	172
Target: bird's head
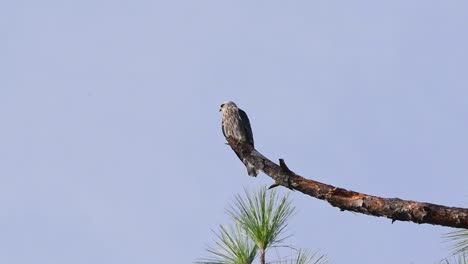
227	104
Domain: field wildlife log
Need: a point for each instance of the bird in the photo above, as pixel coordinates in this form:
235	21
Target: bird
236	124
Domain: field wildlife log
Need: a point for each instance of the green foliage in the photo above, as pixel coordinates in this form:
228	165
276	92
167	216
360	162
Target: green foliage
260	222
460	247
461	258
263	215
303	257
233	247
460	239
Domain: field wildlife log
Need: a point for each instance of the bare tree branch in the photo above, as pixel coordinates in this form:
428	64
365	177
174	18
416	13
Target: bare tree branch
393	208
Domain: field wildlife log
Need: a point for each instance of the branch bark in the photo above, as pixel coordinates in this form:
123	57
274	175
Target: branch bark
392	208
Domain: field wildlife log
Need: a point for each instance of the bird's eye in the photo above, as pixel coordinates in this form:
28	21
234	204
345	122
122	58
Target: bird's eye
222	105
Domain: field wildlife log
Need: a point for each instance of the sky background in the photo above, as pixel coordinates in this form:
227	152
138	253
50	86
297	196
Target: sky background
111	149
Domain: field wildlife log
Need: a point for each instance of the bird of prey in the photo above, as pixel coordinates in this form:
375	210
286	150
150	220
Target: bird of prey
236	125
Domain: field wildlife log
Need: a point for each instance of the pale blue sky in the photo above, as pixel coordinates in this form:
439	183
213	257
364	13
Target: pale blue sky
111	147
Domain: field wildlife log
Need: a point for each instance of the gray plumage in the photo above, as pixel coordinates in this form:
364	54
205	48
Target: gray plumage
236	125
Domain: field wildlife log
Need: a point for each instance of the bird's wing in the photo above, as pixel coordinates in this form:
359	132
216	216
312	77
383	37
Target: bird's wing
246	126
222	127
